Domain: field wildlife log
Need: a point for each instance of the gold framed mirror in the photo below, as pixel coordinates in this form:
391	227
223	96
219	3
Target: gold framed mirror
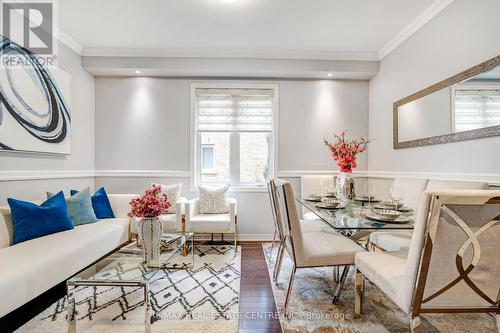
465	106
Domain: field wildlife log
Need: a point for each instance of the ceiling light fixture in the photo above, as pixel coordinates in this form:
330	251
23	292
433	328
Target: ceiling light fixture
228	1
137	72
329	74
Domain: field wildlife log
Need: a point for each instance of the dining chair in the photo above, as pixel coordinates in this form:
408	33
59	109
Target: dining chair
309	249
452	265
309	225
399	240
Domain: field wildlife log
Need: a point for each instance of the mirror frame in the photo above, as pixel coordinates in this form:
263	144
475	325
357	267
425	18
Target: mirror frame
445	138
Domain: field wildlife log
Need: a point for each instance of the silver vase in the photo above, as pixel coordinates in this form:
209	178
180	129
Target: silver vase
345	186
150	231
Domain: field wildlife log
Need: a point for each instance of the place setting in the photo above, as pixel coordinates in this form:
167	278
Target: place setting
387	216
330	204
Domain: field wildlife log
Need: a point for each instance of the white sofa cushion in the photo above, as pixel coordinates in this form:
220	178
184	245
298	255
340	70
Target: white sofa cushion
210	223
30	268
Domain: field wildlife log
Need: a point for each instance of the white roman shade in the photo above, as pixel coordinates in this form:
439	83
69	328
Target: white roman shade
234	110
476	108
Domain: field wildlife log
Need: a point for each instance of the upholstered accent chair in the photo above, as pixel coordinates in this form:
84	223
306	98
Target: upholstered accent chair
224	223
399	240
315	184
452	264
309	249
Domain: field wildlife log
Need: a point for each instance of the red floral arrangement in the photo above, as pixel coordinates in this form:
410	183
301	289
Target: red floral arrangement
150	204
345	152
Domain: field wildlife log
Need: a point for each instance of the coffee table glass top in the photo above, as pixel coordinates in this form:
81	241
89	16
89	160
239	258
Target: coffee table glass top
353	216
126	264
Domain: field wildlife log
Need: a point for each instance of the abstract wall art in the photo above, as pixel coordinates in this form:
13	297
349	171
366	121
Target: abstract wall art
34	109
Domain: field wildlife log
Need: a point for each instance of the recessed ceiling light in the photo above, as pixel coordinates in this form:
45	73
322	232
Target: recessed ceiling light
137	72
329	74
228	1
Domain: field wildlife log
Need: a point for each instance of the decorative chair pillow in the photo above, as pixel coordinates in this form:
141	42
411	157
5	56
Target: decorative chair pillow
213	200
100	203
79	207
32	221
173	192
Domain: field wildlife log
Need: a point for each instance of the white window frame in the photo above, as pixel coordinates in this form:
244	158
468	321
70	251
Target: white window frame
195	143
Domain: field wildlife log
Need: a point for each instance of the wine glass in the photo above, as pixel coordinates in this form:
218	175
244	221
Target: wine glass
397	194
369	191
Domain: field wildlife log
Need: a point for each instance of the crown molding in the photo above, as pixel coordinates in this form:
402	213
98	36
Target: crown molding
69	42
227	54
432	11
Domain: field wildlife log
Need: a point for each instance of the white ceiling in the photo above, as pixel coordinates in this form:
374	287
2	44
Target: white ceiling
303	29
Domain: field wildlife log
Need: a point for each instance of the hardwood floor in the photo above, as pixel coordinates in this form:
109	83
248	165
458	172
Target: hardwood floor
257	307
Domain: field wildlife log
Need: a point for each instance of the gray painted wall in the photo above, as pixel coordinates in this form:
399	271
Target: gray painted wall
82	141
142	123
462	36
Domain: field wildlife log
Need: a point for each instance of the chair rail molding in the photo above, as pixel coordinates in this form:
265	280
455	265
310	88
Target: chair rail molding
19	175
142	173
490	178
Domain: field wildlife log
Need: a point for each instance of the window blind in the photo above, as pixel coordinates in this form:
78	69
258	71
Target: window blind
476	108
229	110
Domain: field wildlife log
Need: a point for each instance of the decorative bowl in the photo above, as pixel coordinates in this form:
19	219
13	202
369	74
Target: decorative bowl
330	202
392	204
388	213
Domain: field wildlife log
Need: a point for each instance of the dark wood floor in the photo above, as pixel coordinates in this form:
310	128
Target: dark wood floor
257	308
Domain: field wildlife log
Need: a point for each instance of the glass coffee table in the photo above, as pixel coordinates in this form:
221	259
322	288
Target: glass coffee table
125	268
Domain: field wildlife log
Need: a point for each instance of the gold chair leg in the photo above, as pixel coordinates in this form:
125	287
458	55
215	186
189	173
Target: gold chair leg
359	290
415	324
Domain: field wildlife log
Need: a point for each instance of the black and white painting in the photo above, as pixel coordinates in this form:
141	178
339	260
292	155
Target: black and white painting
34	110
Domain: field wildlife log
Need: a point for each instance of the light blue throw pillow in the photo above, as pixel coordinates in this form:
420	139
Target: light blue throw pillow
79	206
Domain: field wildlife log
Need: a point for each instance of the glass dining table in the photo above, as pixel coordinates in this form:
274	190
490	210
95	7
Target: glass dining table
352	220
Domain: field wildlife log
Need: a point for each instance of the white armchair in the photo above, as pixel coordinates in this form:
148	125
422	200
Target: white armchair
225	223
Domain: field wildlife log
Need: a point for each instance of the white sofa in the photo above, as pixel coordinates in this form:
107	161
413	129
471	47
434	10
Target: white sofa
30	268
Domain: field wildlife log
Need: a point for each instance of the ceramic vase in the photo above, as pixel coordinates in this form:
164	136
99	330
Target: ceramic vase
150	231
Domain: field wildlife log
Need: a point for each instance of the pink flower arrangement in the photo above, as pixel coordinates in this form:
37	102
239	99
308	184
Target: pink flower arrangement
345	152
150	204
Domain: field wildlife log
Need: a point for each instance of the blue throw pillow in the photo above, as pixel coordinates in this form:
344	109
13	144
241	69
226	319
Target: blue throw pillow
100	203
31	220
79	207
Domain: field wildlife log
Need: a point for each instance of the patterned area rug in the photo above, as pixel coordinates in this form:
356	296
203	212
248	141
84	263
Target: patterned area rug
311	308
204	297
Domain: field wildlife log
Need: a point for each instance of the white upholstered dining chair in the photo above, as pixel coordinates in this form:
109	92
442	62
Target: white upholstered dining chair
453	263
309	249
399	240
307	225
